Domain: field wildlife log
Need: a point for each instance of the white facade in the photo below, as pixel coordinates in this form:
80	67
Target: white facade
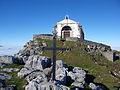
69	28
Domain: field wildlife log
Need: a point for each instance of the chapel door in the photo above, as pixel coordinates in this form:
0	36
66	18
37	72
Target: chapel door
66	34
65	31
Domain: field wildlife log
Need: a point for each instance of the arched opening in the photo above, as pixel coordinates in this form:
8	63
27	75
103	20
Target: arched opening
65	32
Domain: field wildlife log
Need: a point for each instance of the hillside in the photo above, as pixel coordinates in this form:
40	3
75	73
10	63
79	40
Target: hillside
97	66
98	69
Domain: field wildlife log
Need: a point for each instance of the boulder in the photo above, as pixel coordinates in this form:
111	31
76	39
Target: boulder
4	76
11	60
37	77
60	64
24	72
78	84
61	75
77	74
110	55
93	86
37	62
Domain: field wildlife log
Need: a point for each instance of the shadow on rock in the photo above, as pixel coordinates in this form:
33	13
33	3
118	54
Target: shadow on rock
102	85
89	78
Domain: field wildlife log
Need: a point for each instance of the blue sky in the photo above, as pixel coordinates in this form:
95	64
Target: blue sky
20	19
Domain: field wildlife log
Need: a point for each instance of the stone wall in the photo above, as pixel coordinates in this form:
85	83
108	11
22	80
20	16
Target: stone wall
71	39
43	36
109	55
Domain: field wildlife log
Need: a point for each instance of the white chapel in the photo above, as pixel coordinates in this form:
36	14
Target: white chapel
69	28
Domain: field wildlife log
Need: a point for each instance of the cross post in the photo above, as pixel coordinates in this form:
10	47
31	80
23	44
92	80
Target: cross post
54	48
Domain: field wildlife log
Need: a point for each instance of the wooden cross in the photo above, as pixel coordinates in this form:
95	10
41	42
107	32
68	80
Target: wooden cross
54	48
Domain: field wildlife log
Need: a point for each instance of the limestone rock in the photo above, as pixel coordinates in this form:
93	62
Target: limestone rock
109	55
78	84
10	60
93	86
24	72
47	71
38	62
93	46
61	75
37	77
78	74
60	64
4	76
30	48
96	87
37	71
3	64
45	86
10	69
7	59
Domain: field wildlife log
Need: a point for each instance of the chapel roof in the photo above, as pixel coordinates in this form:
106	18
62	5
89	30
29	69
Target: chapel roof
67	20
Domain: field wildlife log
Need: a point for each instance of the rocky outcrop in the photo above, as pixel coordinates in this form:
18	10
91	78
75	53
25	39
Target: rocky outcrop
10	60
39	75
31	48
38	69
24	72
7	59
93	46
38	62
78	75
33	64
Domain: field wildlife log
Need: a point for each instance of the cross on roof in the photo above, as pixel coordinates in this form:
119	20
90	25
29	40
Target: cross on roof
54	48
66	16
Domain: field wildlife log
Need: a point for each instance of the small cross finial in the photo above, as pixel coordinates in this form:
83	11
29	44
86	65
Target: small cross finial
66	16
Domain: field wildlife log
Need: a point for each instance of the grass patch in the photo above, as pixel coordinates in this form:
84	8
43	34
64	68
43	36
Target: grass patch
18	81
94	63
15	66
15	80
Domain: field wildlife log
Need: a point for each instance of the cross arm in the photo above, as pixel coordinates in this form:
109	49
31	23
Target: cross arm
51	48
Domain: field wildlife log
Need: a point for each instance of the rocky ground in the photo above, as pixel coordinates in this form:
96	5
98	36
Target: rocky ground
38	73
35	71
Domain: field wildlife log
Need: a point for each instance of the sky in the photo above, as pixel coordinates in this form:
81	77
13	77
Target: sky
20	19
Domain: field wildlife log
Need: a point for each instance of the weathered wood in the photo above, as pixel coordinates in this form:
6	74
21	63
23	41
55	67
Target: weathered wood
51	48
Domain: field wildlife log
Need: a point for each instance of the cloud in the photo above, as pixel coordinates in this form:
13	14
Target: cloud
1	46
9	50
116	48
